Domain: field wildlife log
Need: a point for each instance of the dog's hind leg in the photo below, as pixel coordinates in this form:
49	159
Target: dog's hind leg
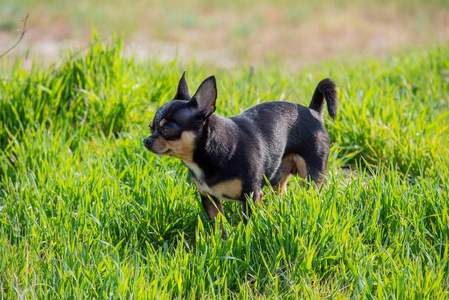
292	164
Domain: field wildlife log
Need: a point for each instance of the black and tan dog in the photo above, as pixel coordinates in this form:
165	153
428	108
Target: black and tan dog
231	158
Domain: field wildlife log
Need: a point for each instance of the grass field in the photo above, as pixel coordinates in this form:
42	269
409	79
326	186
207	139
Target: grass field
86	212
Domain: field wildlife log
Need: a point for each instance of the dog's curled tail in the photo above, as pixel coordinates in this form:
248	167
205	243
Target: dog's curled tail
326	89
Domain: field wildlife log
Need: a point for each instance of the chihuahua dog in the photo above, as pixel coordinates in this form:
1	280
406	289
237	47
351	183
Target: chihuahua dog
233	158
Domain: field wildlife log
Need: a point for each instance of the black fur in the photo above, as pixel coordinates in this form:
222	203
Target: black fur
253	144
183	90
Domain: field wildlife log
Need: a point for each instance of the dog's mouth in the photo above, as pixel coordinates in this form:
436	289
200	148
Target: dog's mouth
167	152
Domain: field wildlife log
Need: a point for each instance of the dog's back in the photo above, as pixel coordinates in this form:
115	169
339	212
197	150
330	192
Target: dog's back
304	150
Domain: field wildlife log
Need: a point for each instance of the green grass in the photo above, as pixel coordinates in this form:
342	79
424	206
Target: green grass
86	212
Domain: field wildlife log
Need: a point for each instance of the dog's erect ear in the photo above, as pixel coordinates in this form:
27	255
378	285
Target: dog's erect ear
205	96
183	90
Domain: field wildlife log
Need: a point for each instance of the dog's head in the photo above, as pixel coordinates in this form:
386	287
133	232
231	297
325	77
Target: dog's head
177	123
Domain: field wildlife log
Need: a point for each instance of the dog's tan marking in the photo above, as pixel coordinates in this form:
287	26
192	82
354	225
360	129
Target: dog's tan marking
193	167
258	199
301	166
291	164
183	148
160	146
213	207
282	185
162	122
231	188
199	187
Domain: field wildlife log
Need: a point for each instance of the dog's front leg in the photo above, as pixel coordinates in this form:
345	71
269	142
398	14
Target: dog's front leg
247	211
213	208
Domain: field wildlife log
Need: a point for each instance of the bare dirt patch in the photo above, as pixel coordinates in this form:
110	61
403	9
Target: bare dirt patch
229	34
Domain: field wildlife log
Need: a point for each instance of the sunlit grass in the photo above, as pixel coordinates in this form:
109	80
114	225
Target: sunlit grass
86	212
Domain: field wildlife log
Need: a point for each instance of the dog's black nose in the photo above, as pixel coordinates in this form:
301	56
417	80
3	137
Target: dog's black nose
148	141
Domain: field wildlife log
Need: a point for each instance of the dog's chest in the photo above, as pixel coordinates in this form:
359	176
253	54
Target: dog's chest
227	189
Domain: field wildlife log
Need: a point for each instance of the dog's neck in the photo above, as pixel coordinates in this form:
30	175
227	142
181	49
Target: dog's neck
217	140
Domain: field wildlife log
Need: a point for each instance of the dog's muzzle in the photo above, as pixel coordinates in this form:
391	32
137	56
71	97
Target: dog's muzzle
148	142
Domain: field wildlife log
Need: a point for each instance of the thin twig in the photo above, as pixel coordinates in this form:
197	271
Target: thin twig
24	29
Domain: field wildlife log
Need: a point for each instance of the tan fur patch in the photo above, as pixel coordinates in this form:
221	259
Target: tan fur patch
292	163
199	187
283	183
183	148
231	189
301	166
162	122
160	146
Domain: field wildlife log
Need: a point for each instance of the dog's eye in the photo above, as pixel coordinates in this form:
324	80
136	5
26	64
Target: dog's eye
166	130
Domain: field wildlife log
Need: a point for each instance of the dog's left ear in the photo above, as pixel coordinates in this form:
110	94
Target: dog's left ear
183	90
205	96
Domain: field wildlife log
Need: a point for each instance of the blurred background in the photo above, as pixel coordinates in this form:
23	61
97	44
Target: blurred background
227	33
